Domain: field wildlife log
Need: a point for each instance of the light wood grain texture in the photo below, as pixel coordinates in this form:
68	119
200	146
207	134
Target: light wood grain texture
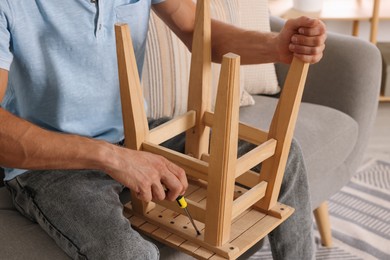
245	132
135	123
321	215
282	129
172	128
223	153
248	199
255	156
199	92
375	21
355	28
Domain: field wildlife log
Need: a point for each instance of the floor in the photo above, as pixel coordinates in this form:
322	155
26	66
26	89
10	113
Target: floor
379	143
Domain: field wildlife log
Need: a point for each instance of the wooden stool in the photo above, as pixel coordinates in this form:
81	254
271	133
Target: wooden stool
233	206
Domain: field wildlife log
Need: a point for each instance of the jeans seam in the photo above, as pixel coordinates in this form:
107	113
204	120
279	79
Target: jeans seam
47	223
15	202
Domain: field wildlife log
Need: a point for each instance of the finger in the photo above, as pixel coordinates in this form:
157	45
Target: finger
180	174
158	191
307	26
311	41
308	22
306	50
311	31
302	21
144	195
173	186
309	58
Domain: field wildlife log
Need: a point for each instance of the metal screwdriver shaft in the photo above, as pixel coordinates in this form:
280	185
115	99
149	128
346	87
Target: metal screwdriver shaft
183	204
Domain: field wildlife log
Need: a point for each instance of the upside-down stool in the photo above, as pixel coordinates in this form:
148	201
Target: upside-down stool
233	206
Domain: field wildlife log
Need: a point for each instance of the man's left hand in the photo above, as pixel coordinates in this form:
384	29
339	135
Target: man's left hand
303	38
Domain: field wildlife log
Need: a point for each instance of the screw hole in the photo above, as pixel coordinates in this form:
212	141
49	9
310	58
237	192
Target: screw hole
281	208
185	227
231	248
172	222
239	191
160	216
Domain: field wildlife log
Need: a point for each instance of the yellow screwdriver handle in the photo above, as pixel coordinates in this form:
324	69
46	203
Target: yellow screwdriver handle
182	202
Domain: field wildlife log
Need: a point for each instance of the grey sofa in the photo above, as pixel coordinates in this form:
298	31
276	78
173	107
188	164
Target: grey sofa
340	103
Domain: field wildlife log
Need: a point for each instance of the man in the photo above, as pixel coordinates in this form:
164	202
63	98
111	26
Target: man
61	120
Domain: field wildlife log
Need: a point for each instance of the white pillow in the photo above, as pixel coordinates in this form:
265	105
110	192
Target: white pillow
259	78
167	60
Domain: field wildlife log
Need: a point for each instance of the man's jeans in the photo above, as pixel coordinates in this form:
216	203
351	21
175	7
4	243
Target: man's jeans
82	212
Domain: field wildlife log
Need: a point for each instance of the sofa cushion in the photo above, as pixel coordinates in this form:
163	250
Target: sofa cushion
326	136
22	239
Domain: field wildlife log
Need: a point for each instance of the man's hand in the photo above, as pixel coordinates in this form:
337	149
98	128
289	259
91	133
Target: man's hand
150	176
303	38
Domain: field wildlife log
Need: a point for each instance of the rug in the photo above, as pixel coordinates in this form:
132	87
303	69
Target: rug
359	216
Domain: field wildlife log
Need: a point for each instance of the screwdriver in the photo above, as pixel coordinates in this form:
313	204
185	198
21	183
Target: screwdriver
183	204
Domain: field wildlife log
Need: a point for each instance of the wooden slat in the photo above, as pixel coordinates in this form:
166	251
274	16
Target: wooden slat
248	179
245	132
282	129
259	230
255	233
217	257
188	234
148	228
203	253
172	128
175	239
199	196
189	246
135	122
197	139
192	166
161	233
191	188
197	210
246	221
249	198
137	221
223	153
179	243
174	224
255	156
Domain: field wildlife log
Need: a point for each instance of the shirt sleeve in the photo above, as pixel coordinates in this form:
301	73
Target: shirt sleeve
157	1
6	55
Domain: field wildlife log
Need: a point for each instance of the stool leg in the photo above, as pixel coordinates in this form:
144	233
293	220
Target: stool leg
135	122
223	154
197	139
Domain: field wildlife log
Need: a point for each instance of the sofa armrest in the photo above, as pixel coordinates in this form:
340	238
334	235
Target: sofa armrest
347	79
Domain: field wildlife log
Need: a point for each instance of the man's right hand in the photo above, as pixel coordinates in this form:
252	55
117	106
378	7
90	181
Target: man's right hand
149	175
